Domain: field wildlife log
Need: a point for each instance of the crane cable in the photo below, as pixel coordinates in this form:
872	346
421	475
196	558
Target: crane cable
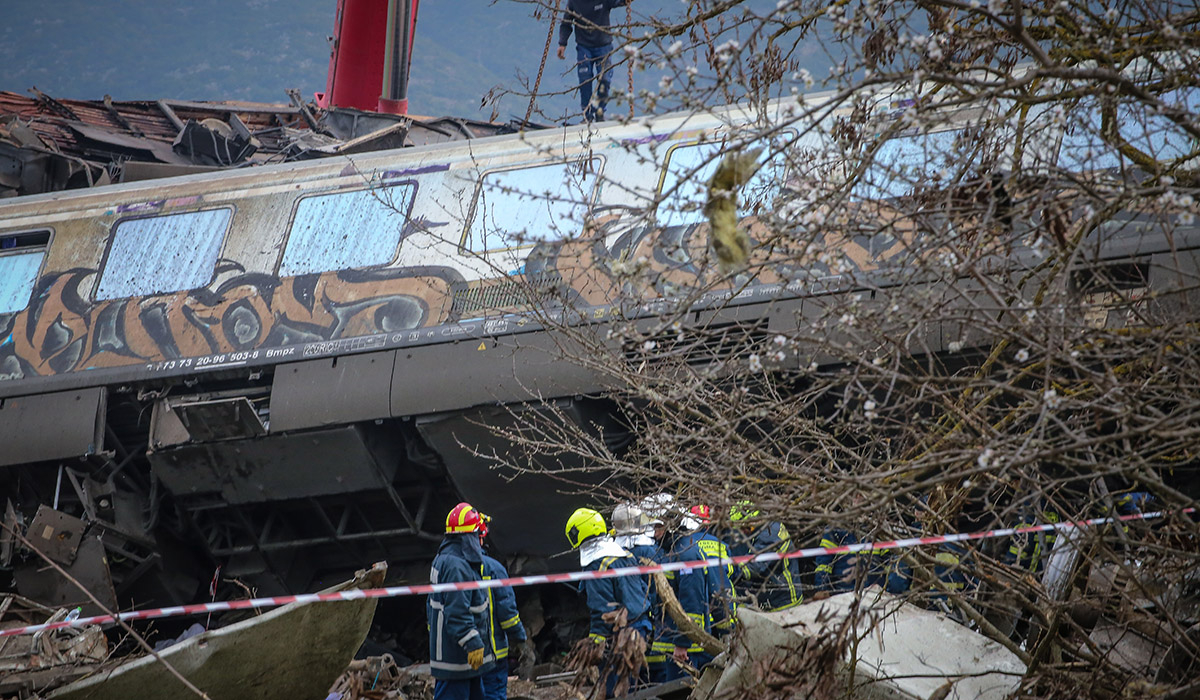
545	54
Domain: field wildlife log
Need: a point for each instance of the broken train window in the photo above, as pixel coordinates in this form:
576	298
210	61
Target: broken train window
21	256
343	230
167	253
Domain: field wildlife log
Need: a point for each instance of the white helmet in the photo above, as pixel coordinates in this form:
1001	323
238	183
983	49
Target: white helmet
628	519
657	507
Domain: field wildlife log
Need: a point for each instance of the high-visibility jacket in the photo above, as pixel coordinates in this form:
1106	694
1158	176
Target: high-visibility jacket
846	572
776	584
1029	550
458	620
644	550
952	568
504	620
698	590
724	611
606	595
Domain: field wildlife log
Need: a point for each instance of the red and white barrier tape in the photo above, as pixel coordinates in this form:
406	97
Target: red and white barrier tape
425	589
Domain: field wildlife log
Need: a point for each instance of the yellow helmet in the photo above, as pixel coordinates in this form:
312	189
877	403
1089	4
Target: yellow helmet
583	524
744	510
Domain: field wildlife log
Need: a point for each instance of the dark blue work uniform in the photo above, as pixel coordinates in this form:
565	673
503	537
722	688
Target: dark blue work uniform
724	610
838	573
605	595
1029	550
775	584
698	591
505	627
458	620
658	654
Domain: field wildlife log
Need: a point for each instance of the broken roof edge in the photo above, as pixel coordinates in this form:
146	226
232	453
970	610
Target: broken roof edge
105	136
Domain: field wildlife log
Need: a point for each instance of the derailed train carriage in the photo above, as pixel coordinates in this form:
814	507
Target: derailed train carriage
289	370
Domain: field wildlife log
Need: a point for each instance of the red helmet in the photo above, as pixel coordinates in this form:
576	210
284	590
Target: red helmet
484	519
701	513
463	518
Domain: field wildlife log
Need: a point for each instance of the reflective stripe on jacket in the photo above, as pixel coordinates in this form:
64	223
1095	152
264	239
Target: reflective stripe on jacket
503	618
606	595
724	608
695	589
846	572
458	620
776	584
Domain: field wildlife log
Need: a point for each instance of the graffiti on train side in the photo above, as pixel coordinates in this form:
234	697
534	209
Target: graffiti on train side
62	331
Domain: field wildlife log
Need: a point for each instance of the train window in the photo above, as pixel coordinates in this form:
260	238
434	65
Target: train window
21	256
522	206
905	163
157	254
689	168
1152	134
342	230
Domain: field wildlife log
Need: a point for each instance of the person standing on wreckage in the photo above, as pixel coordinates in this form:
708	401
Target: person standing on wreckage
609	600
459	624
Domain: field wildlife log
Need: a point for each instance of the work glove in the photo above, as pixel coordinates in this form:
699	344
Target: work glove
475	658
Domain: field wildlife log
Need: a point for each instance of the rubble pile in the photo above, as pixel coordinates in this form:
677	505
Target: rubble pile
380	678
35	661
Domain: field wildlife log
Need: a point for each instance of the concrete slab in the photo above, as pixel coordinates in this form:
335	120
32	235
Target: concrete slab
899	650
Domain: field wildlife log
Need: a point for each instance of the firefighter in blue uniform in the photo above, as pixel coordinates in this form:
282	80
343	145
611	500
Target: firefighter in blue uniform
634	530
698	591
724	605
775	584
507	632
587	532
837	573
1030	550
459	630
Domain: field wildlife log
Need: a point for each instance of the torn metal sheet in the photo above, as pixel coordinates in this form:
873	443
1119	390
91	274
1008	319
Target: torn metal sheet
56	534
47	144
89	569
97	140
212	142
283	654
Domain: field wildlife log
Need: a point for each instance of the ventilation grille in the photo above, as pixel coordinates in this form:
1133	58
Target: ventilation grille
496	296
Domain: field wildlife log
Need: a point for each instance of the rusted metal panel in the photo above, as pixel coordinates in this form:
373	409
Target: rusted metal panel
479	371
332	391
55	534
51	426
